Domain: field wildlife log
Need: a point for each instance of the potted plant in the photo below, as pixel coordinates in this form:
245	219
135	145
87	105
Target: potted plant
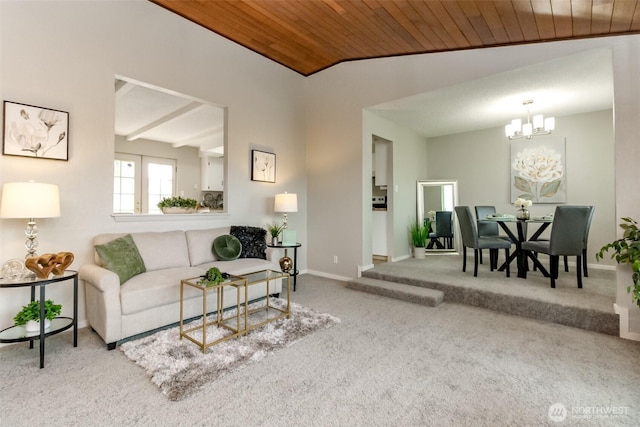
419	235
29	316
213	277
627	251
274	230
178	204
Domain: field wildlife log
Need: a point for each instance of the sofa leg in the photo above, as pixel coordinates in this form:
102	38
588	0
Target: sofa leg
112	345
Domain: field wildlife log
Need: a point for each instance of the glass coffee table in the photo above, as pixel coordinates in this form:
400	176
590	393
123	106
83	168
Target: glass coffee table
269	313
240	322
192	333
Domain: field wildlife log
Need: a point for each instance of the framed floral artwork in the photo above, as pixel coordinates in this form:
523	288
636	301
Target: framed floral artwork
538	170
263	166
31	131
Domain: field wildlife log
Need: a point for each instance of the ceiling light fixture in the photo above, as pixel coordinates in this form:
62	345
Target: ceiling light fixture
539	125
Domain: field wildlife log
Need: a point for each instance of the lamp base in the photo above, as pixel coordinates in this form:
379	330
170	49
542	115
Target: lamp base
286	264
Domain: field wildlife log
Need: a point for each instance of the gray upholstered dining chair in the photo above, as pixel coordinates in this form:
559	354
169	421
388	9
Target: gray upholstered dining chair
569	233
444	230
485	228
470	239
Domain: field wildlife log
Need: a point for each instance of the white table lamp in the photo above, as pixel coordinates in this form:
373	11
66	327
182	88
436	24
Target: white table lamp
30	200
285	202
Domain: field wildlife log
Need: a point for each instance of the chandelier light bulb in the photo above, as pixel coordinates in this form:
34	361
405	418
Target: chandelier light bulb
536	125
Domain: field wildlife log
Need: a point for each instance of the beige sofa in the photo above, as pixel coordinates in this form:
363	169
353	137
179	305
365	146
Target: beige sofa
151	299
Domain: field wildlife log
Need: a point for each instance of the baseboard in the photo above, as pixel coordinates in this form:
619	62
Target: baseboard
329	276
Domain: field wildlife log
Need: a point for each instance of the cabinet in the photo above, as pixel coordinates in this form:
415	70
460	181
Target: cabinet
379	233
212	173
380	156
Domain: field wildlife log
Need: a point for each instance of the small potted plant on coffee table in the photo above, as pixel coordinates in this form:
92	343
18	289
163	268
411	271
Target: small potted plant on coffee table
29	316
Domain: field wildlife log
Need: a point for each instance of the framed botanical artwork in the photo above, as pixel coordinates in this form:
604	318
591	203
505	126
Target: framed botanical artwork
31	131
538	170
263	166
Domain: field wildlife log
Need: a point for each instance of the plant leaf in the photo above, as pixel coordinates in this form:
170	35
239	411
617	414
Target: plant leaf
549	189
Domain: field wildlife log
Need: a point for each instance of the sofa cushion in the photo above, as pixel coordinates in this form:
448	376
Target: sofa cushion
241	266
226	247
253	240
157	288
160	250
200	241
122	257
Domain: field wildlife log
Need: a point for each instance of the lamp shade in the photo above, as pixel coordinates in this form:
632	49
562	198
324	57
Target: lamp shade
286	202
29	200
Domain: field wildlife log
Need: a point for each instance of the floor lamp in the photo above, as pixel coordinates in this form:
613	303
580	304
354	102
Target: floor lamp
30	200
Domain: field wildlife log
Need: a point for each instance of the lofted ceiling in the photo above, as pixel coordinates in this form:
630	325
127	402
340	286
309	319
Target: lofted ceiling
310	35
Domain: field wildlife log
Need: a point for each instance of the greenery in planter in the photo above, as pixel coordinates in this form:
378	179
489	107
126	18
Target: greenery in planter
213	277
32	312
178	202
419	235
627	250
275	229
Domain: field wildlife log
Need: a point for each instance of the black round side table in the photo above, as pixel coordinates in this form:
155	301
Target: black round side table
295	247
14	333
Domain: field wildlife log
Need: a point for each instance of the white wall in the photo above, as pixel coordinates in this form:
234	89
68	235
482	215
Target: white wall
408	159
481	163
65	55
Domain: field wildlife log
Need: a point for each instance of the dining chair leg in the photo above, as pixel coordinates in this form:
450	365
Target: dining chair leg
464	259
584	262
475	262
493	258
555	262
566	264
480	255
579	270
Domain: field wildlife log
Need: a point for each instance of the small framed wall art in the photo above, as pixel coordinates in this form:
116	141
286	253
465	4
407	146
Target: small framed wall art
263	166
31	131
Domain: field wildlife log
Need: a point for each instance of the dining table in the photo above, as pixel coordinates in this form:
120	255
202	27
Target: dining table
522	228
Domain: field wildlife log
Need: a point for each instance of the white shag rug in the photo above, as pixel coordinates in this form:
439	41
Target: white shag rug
180	368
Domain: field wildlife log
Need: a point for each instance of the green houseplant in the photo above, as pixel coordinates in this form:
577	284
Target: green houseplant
419	234
274	230
178	204
29	316
627	251
213	277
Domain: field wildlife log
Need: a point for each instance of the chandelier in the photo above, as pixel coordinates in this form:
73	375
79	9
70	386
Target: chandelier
538	126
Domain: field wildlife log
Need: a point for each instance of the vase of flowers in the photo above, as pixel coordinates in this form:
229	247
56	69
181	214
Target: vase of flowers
522	205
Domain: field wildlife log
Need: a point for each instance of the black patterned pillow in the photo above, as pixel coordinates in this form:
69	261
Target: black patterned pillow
253	240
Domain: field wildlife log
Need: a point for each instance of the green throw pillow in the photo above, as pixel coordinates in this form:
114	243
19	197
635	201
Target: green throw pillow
122	257
227	247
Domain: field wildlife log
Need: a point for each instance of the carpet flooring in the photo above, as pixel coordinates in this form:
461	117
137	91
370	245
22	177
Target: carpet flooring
180	368
388	363
588	308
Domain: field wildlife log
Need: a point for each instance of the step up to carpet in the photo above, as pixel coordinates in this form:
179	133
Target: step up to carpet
414	294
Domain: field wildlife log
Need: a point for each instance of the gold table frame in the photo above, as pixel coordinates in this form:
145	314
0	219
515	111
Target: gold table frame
243	312
260	277
235	281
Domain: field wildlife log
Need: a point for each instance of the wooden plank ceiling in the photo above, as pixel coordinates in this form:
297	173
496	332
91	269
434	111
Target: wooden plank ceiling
310	35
